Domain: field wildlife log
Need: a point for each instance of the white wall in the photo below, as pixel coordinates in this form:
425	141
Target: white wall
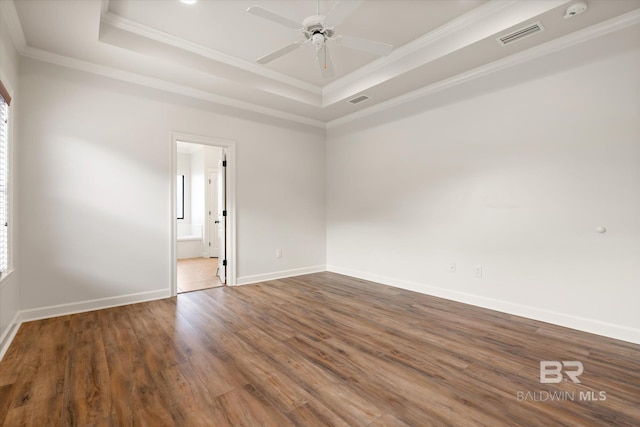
99	217
514	173
9	304
183	167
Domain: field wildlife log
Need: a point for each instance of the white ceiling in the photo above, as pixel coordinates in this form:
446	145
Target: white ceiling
208	50
225	26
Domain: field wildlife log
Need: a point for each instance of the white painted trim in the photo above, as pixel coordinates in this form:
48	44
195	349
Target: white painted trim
615	24
10	14
597	30
5	274
104	7
73	308
231	251
139	79
9	334
458	24
611	330
257	278
145	31
481	22
91	305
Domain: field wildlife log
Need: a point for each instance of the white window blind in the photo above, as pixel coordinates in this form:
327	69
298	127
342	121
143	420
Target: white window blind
4	148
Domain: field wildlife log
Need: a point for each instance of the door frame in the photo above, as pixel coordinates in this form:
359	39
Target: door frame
230	147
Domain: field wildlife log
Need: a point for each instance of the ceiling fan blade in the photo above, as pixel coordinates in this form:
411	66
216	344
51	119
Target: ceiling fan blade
272	16
278	53
324	62
377	48
340	12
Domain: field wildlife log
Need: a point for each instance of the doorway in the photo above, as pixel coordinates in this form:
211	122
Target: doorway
197	274
203	206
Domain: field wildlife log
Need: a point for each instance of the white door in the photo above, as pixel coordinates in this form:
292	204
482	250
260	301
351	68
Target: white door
212	218
222	218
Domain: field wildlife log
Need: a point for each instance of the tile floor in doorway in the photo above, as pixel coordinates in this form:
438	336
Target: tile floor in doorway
195	274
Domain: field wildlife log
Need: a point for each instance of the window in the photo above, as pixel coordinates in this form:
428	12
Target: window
180	197
5	100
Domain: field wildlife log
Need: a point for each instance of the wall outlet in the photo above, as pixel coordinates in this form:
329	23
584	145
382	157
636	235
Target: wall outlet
278	253
452	267
478	271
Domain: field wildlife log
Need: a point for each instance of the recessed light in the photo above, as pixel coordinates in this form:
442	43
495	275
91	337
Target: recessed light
189	1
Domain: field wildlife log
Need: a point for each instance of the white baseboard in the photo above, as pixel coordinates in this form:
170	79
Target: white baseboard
90	305
72	308
9	334
246	280
610	330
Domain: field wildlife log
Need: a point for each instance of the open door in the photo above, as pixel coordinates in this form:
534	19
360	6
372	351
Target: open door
212	218
222	218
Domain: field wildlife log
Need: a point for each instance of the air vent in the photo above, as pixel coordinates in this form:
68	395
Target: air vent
520	34
359	99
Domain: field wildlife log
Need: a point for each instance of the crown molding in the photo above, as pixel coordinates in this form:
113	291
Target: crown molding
425	40
124	24
104	7
610	26
151	82
10	16
482	20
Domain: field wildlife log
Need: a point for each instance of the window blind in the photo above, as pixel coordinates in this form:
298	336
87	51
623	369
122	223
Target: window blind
4	142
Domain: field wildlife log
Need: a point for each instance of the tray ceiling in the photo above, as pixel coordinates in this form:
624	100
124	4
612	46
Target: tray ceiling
208	49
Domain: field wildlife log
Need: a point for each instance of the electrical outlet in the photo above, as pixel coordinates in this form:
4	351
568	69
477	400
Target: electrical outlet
478	271
452	267
278	253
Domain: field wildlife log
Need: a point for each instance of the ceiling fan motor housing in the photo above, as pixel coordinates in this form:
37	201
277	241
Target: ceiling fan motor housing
317	29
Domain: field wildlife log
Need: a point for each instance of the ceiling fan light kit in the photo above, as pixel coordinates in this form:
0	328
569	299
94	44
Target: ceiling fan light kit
318	40
318	29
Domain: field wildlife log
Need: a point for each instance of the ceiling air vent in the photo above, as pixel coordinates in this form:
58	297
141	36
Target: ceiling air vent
521	33
359	99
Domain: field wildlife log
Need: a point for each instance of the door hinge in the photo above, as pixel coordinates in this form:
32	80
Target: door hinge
209	181
224	262
209	244
224	213
224	163
209	213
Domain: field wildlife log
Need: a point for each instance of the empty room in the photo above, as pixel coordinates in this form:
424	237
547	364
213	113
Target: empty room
319	213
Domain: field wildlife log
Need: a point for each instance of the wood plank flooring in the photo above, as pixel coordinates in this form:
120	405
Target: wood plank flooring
315	350
195	274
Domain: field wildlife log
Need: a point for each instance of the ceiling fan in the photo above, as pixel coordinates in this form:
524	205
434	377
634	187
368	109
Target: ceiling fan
318	29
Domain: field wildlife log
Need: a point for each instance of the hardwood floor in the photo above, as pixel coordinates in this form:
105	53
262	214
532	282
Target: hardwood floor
315	350
195	274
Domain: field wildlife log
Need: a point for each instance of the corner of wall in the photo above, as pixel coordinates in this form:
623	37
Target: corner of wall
610	330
